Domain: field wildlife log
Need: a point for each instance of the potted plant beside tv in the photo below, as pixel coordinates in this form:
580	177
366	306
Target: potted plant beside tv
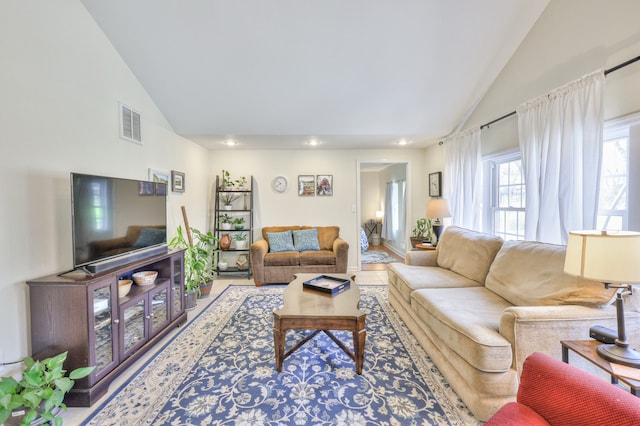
198	263
422	232
40	392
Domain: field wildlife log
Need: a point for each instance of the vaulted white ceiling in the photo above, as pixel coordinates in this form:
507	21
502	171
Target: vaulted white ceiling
349	73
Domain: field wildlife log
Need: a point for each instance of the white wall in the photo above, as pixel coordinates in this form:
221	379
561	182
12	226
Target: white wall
61	81
289	209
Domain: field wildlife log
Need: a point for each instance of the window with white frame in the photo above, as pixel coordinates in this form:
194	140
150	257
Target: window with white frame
614	175
506	197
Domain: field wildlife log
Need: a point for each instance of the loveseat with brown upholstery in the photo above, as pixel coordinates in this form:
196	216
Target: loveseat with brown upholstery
288	250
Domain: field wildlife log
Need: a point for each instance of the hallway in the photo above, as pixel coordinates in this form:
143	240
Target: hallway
379	266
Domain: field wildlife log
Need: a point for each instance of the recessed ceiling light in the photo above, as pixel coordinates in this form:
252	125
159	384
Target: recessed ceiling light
230	142
402	142
313	142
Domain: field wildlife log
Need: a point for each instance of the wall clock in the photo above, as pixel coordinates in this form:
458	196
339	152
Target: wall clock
279	184
435	184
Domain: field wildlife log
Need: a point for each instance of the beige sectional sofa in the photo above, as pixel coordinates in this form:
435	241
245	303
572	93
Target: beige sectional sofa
479	306
331	255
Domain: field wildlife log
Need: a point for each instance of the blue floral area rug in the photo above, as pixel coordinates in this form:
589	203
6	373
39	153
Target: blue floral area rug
220	370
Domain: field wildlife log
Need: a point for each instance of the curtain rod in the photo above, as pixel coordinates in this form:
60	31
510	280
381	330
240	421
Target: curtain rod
610	70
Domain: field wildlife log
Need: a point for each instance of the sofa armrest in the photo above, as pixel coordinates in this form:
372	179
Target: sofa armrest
532	329
421	258
341	249
258	251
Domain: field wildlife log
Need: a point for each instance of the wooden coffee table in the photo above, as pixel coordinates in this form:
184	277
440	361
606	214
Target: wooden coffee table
313	310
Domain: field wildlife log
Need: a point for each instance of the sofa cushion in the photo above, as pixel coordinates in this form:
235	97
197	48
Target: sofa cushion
321	257
544	282
326	235
280	241
407	278
468	320
467	252
306	239
284	258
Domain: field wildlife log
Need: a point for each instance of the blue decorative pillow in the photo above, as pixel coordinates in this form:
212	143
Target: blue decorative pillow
150	237
306	239
280	241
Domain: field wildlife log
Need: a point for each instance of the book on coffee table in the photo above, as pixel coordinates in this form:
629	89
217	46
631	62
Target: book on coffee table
327	284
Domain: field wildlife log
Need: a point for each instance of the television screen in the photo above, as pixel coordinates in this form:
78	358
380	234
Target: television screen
114	217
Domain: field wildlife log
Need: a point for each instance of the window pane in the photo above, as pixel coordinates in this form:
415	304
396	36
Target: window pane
612	205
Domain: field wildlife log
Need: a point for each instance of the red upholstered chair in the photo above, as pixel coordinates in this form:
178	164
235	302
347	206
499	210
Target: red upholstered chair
554	393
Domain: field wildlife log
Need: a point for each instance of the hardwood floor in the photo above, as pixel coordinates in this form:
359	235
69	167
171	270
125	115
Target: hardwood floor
379	266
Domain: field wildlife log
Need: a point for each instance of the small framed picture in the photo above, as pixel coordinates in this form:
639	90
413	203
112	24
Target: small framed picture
324	185
306	185
435	184
177	181
160	179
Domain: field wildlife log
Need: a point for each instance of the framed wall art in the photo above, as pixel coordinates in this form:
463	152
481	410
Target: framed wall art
177	181
324	185
306	185
160	179
435	184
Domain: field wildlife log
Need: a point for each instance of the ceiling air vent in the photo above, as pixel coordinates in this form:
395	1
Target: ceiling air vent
130	124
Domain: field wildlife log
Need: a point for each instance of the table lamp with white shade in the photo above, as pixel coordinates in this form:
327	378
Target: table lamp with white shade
612	257
437	209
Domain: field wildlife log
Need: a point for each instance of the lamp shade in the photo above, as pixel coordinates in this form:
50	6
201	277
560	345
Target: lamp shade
606	256
438	208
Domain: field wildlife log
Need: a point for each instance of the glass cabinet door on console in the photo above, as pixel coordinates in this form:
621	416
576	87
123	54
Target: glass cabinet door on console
159	315
132	325
177	286
104	322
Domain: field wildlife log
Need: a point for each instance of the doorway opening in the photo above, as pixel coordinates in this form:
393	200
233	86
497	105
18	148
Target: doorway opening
383	203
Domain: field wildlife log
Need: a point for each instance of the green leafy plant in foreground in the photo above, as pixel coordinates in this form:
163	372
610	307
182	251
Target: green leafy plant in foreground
41	381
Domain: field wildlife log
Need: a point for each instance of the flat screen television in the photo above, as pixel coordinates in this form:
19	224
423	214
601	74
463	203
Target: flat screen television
116	220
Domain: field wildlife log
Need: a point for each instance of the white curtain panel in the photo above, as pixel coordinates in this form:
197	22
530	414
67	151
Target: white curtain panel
387	228
462	178
560	138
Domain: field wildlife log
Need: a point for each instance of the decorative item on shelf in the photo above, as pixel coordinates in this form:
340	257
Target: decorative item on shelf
124	287
238	223
223	264
437	209
241	183
241	240
422	232
610	257
225	242
226	222
143	278
38	397
243	262
227	182
227	200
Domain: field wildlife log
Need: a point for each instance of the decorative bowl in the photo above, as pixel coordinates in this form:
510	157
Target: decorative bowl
124	287
145	277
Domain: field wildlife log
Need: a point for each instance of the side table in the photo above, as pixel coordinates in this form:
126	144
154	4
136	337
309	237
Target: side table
587	350
423	246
